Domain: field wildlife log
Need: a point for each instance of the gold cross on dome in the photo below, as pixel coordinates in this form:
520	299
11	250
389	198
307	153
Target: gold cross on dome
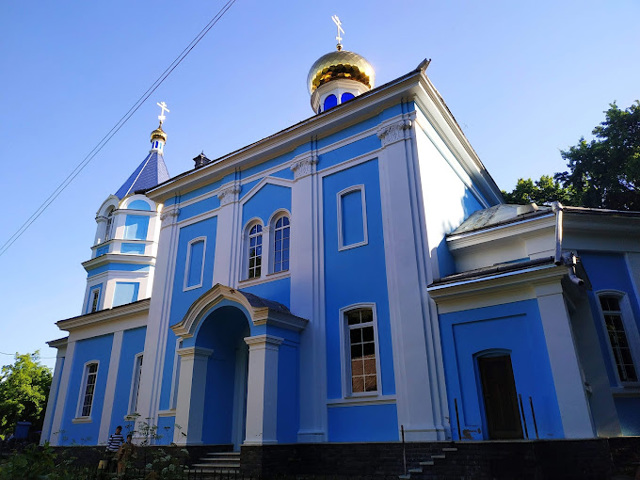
338	23
164	108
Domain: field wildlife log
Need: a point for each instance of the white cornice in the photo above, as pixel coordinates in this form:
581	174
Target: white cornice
103	316
334	120
107	258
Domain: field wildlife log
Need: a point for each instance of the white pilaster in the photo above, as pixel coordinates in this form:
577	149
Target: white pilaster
305	279
62	395
53	394
191	391
109	395
158	323
565	367
226	235
414	329
262	390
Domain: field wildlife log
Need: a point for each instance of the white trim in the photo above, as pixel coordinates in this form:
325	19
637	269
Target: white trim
355	401
280	182
175	376
244	262
365	233
345	352
187	265
82	391
167	413
630	330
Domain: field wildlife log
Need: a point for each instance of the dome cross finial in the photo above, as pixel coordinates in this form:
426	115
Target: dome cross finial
338	23
162	116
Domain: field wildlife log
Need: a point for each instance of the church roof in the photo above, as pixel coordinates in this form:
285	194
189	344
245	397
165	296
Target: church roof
151	172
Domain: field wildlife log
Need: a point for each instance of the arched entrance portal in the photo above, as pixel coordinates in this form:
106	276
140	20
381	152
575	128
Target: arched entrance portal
238	367
225	396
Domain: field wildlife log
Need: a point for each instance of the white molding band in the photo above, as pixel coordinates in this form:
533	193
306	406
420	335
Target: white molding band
110	391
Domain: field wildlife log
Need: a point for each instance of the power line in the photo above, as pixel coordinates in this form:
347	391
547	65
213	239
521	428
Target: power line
118	125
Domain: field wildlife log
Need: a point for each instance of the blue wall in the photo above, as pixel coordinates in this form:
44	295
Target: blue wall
512	327
352	277
363	423
610	272
97	348
132	344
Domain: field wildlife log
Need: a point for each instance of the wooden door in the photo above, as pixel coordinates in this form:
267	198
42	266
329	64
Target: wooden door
500	398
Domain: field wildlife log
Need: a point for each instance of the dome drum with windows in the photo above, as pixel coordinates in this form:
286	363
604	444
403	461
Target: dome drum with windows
337	77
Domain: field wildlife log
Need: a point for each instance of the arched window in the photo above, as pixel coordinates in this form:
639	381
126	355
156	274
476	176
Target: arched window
346	96
281	238
107	232
254	251
622	335
330	102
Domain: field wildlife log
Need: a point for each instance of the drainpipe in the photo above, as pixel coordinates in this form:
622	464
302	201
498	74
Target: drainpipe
557	208
568	259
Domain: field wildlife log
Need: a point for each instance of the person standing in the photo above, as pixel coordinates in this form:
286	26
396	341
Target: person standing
126	451
113	446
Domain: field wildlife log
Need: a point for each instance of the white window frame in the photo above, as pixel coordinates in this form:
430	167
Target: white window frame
83	388
630	330
93	289
185	286
345	351
272	240
109	225
247	239
134	393
339	195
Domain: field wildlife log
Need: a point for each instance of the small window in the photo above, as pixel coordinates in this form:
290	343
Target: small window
281	245
352	218
362	368
194	266
107	233
619	331
330	102
88	389
135	385
346	96
254	253
93	302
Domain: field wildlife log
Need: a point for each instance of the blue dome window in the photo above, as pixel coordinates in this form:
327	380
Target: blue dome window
346	96
330	102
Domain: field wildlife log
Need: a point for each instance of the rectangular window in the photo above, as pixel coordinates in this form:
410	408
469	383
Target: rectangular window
194	266
95	296
254	254
352	218
88	389
618	338
125	292
136	227
363	370
135	386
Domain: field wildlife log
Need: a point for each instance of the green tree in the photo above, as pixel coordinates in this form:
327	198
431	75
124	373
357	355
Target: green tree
605	172
541	191
24	388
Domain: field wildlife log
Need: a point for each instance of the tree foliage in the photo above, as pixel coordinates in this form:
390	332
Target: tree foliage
541	191
605	172
602	173
24	388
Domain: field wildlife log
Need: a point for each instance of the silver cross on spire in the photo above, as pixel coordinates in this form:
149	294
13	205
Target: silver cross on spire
338	23
164	108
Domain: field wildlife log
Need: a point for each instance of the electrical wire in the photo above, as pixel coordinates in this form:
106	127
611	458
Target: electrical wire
118	125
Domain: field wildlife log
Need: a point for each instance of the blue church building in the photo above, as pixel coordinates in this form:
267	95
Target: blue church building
345	279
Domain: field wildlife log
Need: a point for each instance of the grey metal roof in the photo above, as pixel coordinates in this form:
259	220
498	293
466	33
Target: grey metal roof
149	173
499	214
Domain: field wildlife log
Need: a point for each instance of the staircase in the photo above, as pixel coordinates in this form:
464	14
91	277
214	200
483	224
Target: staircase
423	468
227	463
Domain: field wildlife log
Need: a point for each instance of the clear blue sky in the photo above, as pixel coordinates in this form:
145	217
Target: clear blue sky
523	79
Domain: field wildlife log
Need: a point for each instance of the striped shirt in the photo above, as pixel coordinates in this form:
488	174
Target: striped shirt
114	442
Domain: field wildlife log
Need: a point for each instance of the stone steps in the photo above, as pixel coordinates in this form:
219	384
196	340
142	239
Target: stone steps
218	462
425	464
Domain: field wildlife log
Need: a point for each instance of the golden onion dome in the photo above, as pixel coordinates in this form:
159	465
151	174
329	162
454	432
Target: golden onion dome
159	134
340	64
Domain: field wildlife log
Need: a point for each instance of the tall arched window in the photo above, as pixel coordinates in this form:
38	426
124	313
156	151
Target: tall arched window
107	232
281	239
254	253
